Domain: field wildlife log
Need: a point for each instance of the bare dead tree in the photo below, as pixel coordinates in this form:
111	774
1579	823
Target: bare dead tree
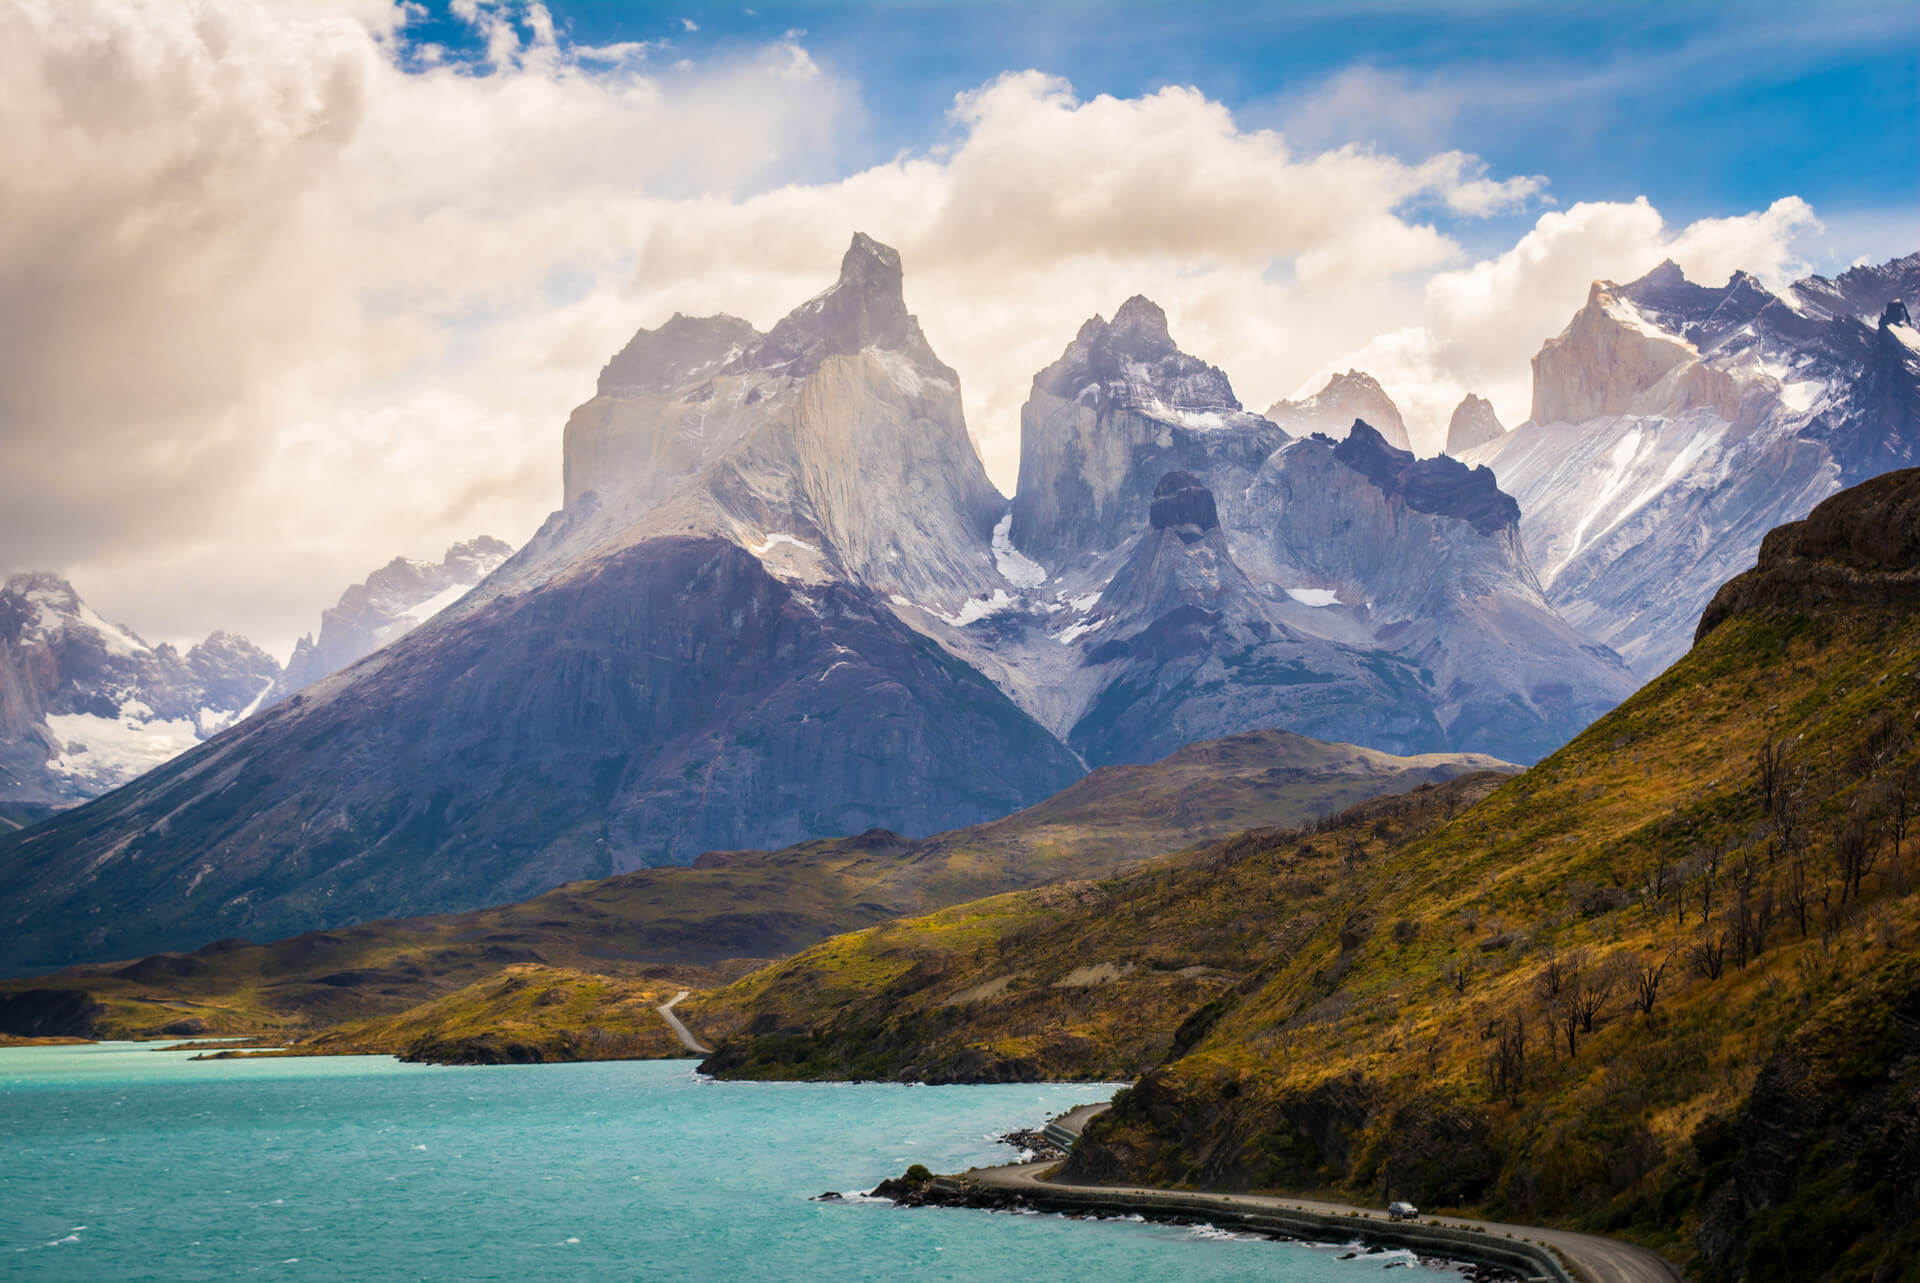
1458	973
1770	768
1708	957
1553	976
1565	1019
1588	992
1897	806
1709	879
1646	979
1797	889
1854	854
1507	1065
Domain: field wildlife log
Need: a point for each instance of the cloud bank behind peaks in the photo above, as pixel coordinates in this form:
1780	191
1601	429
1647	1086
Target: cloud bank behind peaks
286	291
1481	325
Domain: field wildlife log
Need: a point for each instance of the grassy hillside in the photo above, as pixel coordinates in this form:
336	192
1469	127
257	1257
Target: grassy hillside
1663	984
525	1015
1081	979
688	925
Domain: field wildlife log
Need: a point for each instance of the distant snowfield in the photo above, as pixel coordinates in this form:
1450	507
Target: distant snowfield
116	748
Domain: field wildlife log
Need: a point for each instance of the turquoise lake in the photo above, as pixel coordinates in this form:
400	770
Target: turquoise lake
121	1162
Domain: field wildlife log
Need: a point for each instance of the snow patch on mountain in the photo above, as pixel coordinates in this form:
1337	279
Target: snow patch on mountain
98	753
1015	566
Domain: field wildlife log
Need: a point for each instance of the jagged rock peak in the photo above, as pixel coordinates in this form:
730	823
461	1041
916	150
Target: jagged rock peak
1859	291
1859	548
1896	314
1474	423
1347	398
1140	329
1183	500
1441	486
1133	363
677	353
865	307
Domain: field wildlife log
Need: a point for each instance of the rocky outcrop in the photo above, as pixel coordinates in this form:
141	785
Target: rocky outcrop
1473	424
49	1013
1820	1160
1355	395
1189	649
865	308
1861	548
1441	486
1422	559
387	605
1391	594
803	448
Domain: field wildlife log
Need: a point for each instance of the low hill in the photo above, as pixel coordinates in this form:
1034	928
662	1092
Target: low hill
687	925
526	1015
1664	984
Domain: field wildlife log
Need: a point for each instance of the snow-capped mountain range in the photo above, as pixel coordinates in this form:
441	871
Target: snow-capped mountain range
86	705
1674	424
782	600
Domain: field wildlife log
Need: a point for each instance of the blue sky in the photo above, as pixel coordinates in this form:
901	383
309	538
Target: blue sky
1705	109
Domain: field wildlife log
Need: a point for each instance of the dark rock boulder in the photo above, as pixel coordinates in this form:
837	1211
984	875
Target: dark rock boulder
1182	499
1860	548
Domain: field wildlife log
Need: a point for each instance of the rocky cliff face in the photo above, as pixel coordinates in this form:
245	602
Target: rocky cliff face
1473	424
1347	397
86	705
390	603
1121	408
1675	424
834	447
1424	557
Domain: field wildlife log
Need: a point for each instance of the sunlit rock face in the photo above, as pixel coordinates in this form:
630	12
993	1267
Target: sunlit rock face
87	705
1473	424
1675	424
1355	395
834	446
